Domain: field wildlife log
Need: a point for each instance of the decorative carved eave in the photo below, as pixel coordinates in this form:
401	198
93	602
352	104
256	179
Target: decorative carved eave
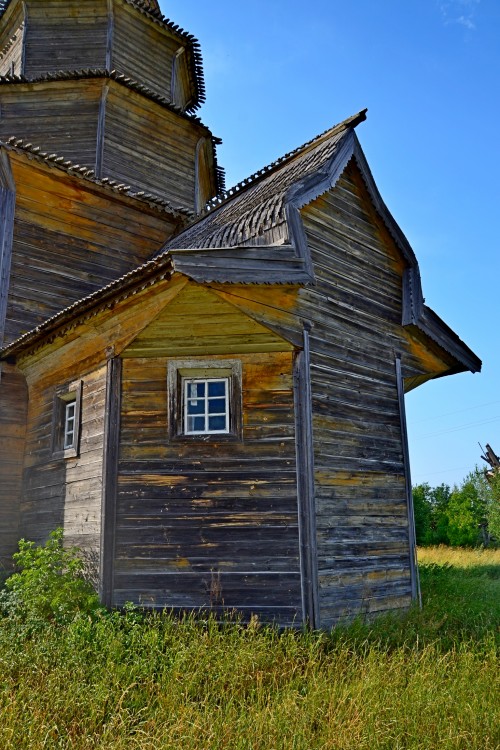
151	9
106	298
123	80
53	160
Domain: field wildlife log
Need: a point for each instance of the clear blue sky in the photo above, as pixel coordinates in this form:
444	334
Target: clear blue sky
281	71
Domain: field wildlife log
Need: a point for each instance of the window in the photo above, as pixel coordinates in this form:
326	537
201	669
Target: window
69	424
206	406
66	421
204	399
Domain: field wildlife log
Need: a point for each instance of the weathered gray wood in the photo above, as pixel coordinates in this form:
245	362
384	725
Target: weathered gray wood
110	479
7	212
305	485
110	35
101	129
355	307
221	514
415	580
13	412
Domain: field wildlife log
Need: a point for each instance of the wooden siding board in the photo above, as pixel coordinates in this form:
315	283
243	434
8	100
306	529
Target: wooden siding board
66	36
13	408
355	308
110	479
137	130
143	51
68	242
209	508
65	492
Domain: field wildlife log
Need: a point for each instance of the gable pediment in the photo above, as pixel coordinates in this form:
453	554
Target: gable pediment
198	322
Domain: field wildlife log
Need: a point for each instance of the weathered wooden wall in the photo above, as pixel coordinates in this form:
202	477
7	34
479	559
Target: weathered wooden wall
71	238
11	41
145	52
209	524
13	409
96	35
151	147
355	306
65	35
57	116
64	491
104	125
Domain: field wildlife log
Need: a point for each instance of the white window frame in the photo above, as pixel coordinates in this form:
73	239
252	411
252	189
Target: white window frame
179	373
69	429
206	398
66	421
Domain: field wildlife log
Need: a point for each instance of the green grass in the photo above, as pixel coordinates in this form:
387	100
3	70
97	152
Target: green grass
427	680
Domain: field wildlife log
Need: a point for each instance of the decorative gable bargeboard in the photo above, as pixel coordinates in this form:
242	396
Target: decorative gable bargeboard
204	388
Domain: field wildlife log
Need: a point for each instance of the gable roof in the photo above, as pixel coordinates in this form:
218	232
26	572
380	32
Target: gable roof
222	246
245	211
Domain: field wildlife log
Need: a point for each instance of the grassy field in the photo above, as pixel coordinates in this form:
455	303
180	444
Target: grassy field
427	680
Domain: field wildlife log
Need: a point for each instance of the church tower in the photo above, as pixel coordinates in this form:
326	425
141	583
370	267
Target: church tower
111	85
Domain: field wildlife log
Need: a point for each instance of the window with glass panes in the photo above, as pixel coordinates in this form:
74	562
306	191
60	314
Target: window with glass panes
206	406
69	424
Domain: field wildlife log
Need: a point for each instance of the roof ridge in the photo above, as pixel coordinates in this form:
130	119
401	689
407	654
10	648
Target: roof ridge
87	173
350	122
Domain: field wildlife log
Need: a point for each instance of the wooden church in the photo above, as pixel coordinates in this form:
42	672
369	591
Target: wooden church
204	388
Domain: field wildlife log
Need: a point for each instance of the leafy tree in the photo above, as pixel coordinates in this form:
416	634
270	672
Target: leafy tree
422	509
464	513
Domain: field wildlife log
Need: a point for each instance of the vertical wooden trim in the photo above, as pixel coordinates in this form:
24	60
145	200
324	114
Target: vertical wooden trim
305	484
110	479
415	580
110	36
7	212
25	36
199	204
101	130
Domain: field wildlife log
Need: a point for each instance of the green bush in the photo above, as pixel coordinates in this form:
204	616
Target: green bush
49	584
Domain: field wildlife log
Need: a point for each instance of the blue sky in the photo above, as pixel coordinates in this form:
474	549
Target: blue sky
279	72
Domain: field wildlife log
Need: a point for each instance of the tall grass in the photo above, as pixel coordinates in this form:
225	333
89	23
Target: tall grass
426	680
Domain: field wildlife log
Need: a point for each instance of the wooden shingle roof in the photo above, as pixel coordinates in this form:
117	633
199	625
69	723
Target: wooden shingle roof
257	204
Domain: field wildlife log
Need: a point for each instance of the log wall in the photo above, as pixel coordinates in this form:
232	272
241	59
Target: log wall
145	52
57	116
144	144
65	491
11	41
65	35
355	306
13	409
150	147
70	238
209	524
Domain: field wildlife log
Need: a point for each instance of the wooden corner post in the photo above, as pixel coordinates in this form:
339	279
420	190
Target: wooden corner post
415	581
110	479
305	483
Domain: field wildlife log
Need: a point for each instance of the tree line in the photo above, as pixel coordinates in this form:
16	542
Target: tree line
467	515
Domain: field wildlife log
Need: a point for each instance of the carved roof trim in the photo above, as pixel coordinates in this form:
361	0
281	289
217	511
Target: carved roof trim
86	173
150	9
